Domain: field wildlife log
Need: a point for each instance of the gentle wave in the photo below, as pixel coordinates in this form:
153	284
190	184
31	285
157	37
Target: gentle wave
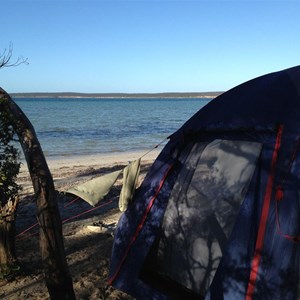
75	126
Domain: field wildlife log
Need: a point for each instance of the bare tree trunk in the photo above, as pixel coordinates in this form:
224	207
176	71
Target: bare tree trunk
8	257
58	278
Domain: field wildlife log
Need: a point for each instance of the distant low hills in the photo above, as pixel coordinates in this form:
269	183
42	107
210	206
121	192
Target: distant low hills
117	95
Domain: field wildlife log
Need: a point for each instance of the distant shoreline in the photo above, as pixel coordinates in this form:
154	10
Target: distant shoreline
116	95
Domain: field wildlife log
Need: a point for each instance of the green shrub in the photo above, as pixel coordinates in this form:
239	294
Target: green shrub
9	159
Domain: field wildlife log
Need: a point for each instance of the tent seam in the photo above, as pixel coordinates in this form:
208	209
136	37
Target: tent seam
263	219
140	225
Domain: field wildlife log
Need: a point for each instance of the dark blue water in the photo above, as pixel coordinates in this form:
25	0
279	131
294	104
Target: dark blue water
80	126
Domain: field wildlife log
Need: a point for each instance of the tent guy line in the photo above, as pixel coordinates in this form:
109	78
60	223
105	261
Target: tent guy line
91	191
65	220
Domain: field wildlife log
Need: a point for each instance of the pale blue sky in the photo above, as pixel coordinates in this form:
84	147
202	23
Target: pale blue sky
146	46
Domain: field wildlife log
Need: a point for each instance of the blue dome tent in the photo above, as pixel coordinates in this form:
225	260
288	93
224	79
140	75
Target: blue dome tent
218	216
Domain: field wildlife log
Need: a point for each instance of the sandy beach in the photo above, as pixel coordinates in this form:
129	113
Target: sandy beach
88	231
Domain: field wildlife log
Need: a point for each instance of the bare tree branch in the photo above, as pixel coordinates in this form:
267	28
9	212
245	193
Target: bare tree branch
6	56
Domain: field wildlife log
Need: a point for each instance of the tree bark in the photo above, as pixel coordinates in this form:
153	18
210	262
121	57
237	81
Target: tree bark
8	259
58	278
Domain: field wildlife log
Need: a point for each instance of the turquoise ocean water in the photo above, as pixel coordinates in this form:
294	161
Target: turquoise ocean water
82	126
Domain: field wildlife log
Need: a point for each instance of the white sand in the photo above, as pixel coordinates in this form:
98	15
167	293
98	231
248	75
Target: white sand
96	160
106	159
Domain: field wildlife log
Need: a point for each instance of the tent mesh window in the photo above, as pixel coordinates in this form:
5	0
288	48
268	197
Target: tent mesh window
200	215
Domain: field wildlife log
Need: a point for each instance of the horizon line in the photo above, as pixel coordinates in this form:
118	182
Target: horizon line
117	94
